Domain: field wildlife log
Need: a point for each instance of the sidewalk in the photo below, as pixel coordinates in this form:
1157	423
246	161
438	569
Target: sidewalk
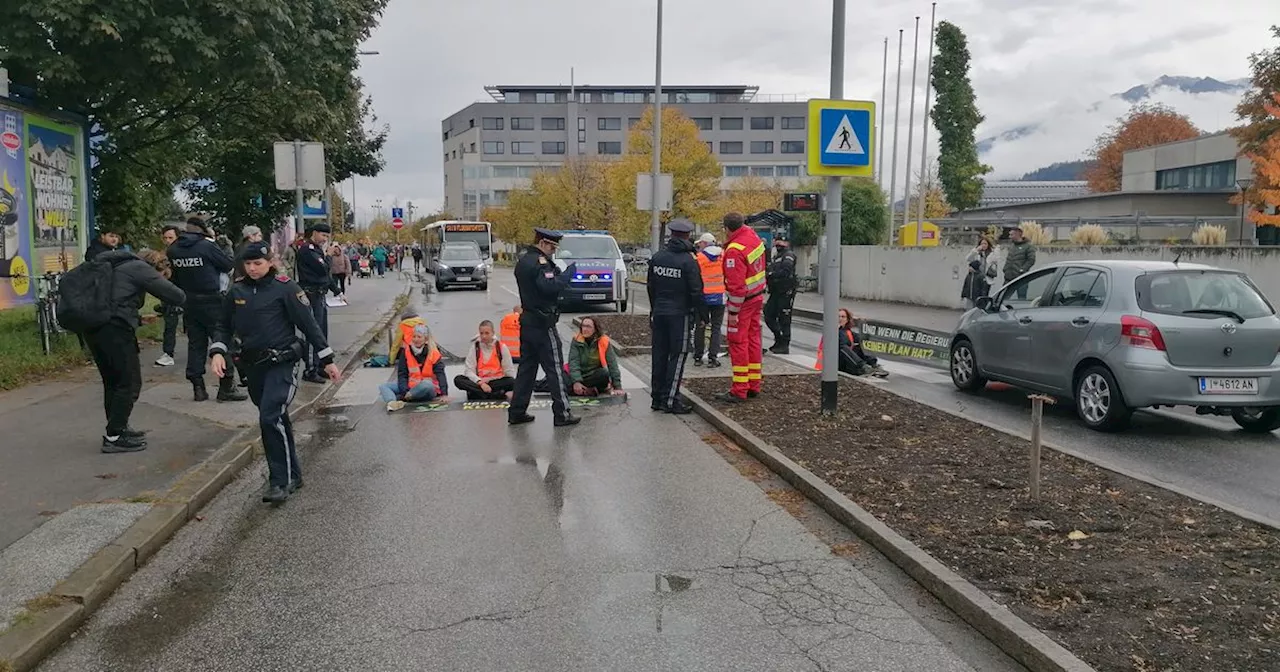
61	499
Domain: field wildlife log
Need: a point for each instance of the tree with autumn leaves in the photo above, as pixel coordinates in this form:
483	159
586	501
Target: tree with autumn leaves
1258	135
1146	125
1266	170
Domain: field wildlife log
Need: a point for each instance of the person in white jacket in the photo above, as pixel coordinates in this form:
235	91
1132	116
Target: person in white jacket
490	373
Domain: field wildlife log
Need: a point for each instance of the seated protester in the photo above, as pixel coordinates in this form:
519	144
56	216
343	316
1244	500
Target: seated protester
853	359
593	362
419	372
491	371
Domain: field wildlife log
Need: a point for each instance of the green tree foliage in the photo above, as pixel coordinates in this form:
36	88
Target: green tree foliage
198	91
1252	110
864	213
955	115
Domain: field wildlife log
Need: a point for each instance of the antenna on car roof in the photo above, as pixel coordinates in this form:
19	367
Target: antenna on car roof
1176	258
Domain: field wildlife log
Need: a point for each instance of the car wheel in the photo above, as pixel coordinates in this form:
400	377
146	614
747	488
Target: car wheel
484	286
1257	420
1099	402
439	286
964	367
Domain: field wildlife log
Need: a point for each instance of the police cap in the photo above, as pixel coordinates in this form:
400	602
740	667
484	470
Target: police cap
680	227
547	234
322	227
258	250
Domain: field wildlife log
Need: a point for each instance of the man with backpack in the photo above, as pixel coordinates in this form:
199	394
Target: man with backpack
100	300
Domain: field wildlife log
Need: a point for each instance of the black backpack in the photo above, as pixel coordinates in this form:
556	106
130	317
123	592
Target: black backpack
85	299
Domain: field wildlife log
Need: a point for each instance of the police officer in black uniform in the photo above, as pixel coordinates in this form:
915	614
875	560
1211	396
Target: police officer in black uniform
540	283
316	280
675	302
782	281
198	266
266	310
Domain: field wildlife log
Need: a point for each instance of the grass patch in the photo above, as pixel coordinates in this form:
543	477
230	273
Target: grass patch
6	666
44	602
22	360
144	498
22	618
155	330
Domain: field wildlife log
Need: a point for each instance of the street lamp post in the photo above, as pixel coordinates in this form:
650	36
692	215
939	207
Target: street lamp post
655	221
1243	183
831	252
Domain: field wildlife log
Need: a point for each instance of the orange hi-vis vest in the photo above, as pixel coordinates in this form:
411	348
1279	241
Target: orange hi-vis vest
712	274
426	370
489	367
602	347
818	364
509	333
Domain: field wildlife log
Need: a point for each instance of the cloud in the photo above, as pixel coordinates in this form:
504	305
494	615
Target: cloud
1033	61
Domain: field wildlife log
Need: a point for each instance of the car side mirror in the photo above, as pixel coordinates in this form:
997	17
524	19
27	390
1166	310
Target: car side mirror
983	302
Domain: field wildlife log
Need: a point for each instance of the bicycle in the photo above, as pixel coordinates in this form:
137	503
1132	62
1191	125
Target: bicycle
47	309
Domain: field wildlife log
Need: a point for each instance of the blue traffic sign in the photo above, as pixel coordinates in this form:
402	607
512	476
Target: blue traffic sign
841	137
397	213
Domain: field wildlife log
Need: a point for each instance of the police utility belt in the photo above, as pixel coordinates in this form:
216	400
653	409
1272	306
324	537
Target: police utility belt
272	356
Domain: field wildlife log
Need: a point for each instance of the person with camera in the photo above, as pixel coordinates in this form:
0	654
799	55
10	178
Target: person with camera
266	310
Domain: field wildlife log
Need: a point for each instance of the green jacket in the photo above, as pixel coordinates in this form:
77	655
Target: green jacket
584	357
1020	258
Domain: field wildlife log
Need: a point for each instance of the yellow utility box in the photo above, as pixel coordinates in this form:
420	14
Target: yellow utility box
929	236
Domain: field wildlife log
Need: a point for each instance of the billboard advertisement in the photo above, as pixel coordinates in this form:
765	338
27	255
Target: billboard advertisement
42	201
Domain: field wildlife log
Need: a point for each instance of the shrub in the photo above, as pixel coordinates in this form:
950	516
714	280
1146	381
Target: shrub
1209	234
1035	234
1090	234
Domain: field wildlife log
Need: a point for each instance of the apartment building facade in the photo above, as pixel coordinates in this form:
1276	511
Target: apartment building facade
494	146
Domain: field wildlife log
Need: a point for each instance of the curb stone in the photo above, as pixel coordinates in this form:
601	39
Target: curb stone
23	646
1011	634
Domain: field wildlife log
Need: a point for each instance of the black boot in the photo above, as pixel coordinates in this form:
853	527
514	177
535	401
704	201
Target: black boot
567	420
275	495
201	394
123	443
227	390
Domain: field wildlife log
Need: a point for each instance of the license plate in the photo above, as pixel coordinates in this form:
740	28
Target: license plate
595	297
1228	386
464	278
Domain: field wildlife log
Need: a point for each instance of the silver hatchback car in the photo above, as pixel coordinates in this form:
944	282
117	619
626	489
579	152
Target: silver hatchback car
1119	335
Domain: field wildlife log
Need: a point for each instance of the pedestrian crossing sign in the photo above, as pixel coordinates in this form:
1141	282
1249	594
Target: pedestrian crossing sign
841	138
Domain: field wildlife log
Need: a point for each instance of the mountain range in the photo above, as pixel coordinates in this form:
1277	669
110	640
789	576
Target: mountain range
1063	135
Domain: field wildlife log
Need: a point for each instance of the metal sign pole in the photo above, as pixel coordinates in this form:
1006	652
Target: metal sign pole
300	226
831	278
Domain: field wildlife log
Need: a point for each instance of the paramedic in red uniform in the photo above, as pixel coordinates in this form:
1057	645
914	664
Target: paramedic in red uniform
744	282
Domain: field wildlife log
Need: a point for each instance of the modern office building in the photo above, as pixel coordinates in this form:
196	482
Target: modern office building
494	146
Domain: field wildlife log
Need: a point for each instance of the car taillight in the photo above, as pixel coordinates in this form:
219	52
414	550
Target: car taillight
1141	333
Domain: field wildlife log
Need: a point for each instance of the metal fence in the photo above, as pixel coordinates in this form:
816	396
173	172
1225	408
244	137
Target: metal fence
1122	230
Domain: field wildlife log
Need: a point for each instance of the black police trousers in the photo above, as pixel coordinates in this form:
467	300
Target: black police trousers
272	387
670	340
777	316
540	347
115	351
319	310
199	317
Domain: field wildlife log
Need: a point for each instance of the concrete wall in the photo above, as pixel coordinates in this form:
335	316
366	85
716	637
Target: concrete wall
931	276
1140	166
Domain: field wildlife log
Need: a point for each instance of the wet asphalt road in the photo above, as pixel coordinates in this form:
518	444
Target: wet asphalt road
449	541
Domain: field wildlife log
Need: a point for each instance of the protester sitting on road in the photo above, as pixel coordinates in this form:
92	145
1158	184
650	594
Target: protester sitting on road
490	372
853	359
420	373
593	362
509	332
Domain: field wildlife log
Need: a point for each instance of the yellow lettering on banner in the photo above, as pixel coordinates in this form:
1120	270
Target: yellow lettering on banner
875	346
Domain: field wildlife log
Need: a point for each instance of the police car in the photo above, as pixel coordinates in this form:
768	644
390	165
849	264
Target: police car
601	275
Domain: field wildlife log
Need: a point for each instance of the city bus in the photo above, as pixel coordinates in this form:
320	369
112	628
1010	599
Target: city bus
436	234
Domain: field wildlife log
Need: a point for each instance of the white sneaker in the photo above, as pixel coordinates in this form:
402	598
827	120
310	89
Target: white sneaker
165	360
394	405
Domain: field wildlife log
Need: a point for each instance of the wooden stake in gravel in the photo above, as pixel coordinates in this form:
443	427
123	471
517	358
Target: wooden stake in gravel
1037	414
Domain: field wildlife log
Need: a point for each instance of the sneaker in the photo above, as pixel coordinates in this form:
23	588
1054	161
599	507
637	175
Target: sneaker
123	444
713	363
680	408
139	433
697	361
165	360
393	406
879	372
275	495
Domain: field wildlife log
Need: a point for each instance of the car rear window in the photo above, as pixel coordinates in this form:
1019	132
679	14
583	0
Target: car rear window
1176	292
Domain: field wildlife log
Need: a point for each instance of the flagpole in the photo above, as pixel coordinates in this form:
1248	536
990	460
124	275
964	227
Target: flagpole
893	163
911	135
884	93
925	178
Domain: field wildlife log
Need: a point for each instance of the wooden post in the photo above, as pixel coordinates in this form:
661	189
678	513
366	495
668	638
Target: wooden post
1037	415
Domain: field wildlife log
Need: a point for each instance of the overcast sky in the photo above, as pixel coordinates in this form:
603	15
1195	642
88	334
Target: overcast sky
1033	61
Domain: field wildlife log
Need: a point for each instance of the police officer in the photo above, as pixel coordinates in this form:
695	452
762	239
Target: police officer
198	268
315	279
540	284
266	310
782	282
675	304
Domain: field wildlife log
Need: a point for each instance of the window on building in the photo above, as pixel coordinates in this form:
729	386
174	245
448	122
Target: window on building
582	149
522	123
506	171
692	97
793	123
550	97
632	121
472	148
730	147
500	196
609	123
608	147
522	148
471	123
582	123
711	148
553	148
703	123
788	171
762	171
735	171
511	96
582	136
491	147
446	157
446	135
793	147
762	123
553	123
455	153
1220	175
761	146
731	123
492	123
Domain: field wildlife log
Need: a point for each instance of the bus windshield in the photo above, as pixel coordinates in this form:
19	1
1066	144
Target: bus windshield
588	247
